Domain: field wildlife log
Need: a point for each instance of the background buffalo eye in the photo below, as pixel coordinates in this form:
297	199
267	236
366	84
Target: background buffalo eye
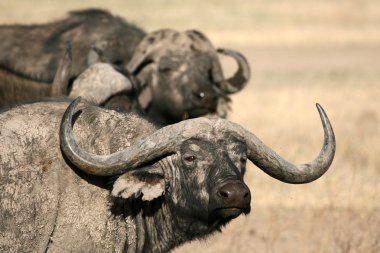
164	70
190	158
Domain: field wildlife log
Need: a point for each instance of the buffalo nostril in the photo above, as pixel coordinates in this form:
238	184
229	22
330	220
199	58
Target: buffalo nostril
223	194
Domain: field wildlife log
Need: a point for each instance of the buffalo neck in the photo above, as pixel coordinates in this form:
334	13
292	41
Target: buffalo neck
156	229
163	224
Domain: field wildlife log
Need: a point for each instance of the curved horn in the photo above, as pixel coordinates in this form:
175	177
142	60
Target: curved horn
240	79
275	166
165	141
162	142
62	76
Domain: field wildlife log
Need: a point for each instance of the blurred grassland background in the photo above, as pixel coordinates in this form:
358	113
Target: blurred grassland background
301	52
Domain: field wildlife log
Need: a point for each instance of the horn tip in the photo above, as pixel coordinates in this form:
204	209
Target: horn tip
320	108
74	103
322	113
77	100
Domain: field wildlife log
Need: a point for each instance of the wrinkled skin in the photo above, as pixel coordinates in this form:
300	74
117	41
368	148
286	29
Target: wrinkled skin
56	208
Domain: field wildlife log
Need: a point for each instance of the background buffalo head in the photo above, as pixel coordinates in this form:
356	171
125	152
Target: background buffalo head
181	76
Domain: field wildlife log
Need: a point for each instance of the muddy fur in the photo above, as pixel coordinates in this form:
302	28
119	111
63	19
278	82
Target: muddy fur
15	89
48	205
28	44
30	55
179	72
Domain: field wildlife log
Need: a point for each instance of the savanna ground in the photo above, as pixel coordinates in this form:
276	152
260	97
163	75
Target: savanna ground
301	52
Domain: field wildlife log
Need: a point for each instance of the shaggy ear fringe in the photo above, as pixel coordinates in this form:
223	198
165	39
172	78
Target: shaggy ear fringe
131	186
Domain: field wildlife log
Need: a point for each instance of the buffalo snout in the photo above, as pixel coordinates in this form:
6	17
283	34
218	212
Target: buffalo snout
230	200
235	195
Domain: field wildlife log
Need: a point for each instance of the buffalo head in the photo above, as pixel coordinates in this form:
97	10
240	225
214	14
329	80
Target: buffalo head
182	76
197	165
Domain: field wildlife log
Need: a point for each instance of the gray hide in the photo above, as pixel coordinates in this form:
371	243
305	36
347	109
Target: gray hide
34	51
161	188
14	90
30	54
182	77
45	205
180	71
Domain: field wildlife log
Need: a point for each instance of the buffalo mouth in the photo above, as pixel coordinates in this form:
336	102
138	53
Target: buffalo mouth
198	112
231	212
222	216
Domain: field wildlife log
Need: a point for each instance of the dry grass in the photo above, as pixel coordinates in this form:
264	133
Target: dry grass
240	22
301	52
341	211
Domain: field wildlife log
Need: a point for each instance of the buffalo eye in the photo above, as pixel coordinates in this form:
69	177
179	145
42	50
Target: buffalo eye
243	161
190	158
165	70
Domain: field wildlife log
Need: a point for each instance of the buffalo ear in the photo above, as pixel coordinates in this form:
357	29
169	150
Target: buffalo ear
138	62
145	97
147	183
143	55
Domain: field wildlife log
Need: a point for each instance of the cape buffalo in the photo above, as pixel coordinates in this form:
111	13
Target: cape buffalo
112	182
179	72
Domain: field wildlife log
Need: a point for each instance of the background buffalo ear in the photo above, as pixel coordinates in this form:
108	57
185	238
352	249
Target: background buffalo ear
144	54
147	183
145	97
138	62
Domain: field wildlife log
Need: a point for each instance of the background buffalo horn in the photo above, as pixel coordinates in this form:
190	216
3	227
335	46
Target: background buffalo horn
166	140
275	166
239	80
62	76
